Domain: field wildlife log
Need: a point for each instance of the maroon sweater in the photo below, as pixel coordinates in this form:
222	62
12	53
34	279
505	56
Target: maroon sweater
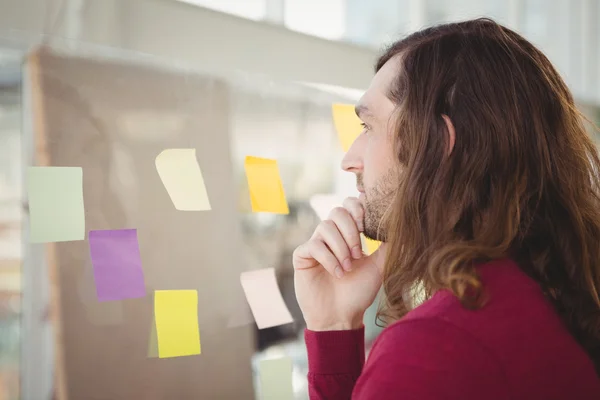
515	347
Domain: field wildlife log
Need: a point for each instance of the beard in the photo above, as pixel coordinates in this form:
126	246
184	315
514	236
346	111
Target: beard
378	200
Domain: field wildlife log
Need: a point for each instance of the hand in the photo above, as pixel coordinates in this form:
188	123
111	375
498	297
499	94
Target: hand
335	281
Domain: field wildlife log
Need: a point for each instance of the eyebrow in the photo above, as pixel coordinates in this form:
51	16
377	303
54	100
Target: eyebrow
361	109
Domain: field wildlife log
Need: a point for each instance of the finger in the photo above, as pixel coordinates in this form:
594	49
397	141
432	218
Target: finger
355	208
330	234
347	226
315	253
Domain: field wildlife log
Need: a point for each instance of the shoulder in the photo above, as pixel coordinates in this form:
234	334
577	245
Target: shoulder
430	357
435	341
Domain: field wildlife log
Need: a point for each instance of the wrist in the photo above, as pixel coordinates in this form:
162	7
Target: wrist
353	324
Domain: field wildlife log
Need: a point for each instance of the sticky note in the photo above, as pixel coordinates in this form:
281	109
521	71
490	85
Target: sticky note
275	377
371	245
264	298
117	264
181	175
347	124
176	317
264	185
56	212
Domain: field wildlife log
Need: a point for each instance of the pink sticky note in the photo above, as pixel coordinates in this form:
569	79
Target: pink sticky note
117	264
264	298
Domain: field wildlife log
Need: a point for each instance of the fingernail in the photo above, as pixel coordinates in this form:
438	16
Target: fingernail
356	252
347	264
338	272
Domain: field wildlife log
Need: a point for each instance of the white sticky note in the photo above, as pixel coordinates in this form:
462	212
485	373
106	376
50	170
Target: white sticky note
181	175
276	379
264	298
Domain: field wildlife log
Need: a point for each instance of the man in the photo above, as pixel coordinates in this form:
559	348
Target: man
476	172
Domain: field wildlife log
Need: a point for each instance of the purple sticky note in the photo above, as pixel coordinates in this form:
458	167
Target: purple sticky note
117	264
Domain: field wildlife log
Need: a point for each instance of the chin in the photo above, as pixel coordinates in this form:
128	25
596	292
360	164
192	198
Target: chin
372	234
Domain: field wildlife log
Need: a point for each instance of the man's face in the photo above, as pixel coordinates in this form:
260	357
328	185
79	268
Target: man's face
371	154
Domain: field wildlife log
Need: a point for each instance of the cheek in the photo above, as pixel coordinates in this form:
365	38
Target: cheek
377	161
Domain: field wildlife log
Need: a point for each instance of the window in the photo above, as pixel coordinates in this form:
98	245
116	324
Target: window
251	9
325	19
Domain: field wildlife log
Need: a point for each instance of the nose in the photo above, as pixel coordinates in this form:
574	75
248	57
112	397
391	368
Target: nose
353	159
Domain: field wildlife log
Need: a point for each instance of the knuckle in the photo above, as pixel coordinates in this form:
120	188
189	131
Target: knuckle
350	200
296	251
353	204
337	212
327	224
312	243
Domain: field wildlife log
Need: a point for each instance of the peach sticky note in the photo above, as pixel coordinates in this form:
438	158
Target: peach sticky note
180	173
264	298
265	187
347	124
276	379
176	318
371	245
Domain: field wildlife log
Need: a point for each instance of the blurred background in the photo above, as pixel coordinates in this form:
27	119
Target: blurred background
283	63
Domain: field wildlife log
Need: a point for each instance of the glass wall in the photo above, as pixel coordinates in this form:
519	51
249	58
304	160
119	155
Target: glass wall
256	115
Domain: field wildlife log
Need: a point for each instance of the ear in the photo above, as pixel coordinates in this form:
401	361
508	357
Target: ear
451	133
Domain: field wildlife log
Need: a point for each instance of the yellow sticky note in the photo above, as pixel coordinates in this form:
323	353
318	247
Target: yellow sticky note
276	379
180	173
347	124
265	187
371	245
176	318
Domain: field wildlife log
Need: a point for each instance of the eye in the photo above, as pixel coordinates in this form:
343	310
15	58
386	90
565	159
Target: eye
365	126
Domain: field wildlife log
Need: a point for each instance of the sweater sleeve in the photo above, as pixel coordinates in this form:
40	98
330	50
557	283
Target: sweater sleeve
335	361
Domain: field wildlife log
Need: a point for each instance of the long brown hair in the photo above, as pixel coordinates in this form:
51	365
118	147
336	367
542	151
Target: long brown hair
521	181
